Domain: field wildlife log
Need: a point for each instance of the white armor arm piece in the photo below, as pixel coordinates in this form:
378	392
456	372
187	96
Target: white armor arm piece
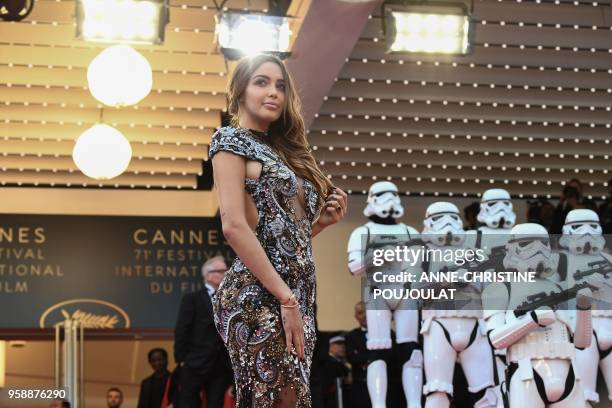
356	256
584	329
506	334
502	333
584	325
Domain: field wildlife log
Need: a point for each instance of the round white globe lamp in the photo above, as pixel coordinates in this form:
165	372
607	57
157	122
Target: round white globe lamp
102	152
119	76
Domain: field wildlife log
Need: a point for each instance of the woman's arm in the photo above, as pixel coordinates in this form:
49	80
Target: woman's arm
316	228
229	175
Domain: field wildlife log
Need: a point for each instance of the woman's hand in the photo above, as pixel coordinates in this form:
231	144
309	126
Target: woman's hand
294	330
334	209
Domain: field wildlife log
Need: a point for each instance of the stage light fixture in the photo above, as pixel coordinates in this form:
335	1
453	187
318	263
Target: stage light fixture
430	27
127	21
15	10
241	34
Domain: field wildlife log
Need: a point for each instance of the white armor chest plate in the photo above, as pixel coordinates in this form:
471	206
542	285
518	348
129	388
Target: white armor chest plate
387	237
467	298
550	342
400	230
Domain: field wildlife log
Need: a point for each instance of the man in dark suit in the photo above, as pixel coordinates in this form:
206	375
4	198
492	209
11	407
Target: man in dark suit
335	367
357	355
198	348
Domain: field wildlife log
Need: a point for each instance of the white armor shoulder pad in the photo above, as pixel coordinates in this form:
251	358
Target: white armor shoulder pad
357	237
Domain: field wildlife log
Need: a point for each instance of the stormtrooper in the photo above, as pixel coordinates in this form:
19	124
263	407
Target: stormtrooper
383	230
454	330
497	215
582	259
524	318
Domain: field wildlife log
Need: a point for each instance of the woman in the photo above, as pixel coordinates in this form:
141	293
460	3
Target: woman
273	199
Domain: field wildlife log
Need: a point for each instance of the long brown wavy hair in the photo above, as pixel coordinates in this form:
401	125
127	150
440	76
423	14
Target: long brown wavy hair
287	134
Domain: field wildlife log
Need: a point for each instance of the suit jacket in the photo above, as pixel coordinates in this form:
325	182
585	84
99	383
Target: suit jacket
145	397
357	354
196	341
333	368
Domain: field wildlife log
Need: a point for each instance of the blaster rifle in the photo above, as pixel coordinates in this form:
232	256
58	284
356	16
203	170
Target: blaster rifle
550	299
603	267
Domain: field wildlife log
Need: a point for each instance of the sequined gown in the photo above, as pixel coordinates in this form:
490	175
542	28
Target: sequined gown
247	316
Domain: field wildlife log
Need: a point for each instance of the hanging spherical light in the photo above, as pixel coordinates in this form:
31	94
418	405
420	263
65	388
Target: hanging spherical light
102	152
119	76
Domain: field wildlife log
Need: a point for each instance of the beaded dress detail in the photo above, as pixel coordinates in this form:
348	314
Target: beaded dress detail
246	315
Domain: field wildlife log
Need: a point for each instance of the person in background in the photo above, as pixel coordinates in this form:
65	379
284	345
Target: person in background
336	366
357	356
571	198
114	398
470	214
59	403
605	212
319	355
198	348
154	387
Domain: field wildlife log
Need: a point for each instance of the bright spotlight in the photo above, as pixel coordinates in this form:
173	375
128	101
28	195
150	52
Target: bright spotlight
427	28
241	34
126	21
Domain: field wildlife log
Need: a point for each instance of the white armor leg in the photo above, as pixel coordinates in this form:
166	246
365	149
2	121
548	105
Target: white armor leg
603	329
523	391
407	331
406	323
377	383
379	329
412	379
587	361
606	369
477	363
501	378
490	399
602	326
379	337
440	359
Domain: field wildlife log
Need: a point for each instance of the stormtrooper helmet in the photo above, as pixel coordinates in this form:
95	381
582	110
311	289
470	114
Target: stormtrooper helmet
496	209
443	225
582	233
384	201
528	250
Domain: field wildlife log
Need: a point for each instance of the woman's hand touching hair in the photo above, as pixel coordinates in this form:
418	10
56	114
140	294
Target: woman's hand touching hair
334	209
